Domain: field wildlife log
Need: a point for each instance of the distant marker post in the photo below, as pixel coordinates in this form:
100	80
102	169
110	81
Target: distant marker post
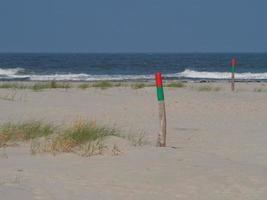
161	142
233	69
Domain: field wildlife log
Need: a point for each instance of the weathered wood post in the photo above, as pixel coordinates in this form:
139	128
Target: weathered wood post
161	142
233	66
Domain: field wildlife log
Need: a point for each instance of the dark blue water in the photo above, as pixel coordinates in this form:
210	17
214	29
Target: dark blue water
88	67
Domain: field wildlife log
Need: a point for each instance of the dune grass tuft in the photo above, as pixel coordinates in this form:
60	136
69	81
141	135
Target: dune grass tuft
12	86
9	96
260	90
82	132
208	88
24	131
83	86
138	86
176	85
84	138
103	85
50	85
137	139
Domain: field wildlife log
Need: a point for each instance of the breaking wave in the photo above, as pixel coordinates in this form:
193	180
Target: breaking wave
222	75
10	71
17	74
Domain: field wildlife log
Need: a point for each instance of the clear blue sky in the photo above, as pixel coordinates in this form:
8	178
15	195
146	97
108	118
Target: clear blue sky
133	26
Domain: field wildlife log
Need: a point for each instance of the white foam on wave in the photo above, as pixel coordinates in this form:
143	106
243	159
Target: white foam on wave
10	71
87	77
222	75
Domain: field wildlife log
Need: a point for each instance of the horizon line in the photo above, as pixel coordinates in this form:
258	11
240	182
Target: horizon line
192	52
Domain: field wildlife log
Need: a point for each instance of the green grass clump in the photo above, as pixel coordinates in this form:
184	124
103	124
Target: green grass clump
208	88
117	84
83	132
83	137
176	85
40	86
260	90
136	139
24	131
12	86
86	137
83	86
103	85
138	85
50	85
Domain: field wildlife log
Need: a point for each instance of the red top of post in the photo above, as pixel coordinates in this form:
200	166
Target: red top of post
233	62
158	79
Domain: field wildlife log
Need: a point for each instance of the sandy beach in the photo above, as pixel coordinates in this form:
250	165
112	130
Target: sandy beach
216	144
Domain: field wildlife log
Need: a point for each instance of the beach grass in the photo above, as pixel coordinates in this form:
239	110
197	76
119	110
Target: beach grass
83	86
208	88
50	85
12	86
138	86
136	139
260	90
103	85
38	86
84	138
176	85
82	132
24	131
117	84
10	96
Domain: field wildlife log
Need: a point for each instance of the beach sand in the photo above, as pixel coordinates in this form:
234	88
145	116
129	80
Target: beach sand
216	145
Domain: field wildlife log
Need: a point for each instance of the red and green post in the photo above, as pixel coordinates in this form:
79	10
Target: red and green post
233	69
161	142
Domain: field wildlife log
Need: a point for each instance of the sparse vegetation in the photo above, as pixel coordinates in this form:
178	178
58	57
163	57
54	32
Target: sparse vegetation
136	139
83	86
82	132
50	85
208	88
115	150
10	96
117	84
40	86
12	86
260	90
84	138
24	131
138	85
176	85
103	85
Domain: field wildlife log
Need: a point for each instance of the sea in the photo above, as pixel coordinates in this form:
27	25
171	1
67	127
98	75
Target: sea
130	67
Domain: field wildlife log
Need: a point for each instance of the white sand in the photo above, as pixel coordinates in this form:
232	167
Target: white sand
216	145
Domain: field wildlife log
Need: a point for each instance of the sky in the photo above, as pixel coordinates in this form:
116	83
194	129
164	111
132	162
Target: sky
130	26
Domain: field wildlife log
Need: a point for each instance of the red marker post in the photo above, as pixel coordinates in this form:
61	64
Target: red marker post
161	142
233	68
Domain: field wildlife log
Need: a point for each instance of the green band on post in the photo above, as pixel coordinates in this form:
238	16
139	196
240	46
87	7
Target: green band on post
160	94
233	69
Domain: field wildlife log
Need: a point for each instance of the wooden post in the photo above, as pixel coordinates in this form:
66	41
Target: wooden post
233	74
161	142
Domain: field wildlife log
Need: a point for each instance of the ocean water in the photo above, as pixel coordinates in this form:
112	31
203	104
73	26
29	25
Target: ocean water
92	67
